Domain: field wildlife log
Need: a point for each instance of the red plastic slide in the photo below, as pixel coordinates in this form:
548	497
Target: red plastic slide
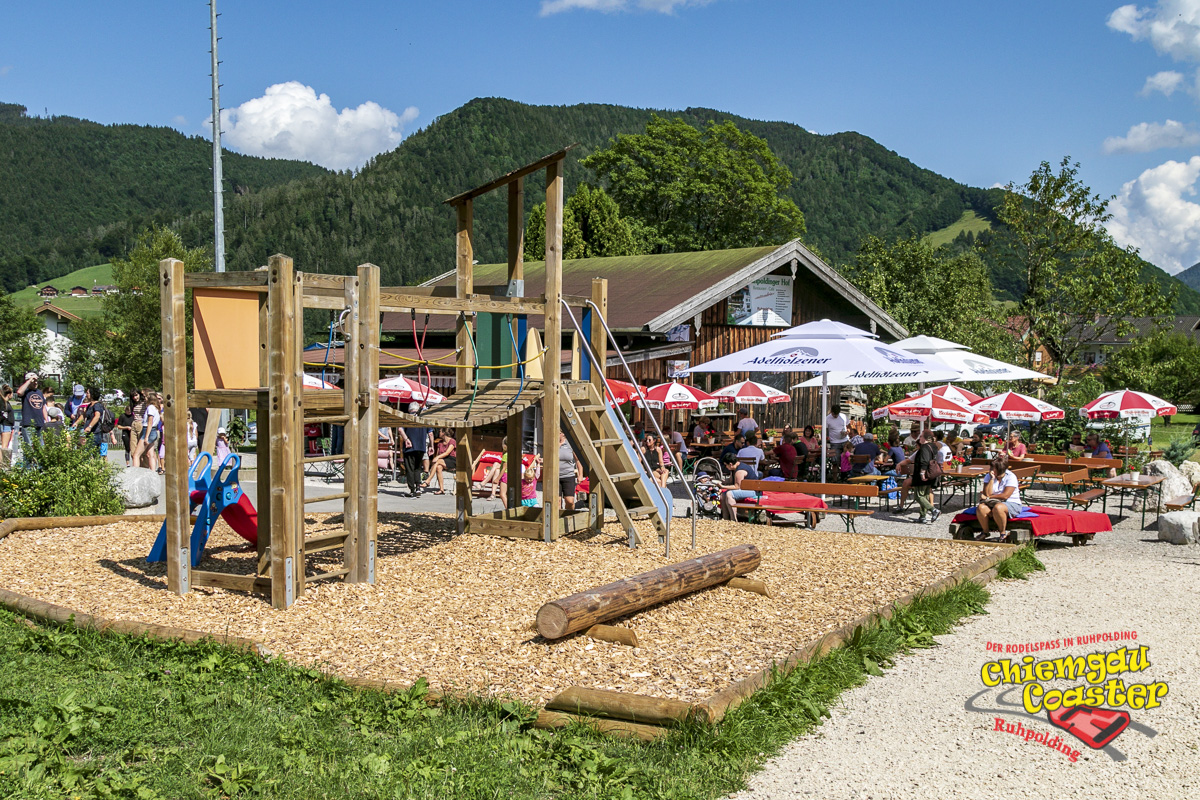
242	516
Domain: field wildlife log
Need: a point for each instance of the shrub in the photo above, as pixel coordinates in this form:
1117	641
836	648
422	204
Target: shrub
59	478
1178	450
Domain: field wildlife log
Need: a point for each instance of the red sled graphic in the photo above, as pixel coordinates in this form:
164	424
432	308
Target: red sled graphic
1095	727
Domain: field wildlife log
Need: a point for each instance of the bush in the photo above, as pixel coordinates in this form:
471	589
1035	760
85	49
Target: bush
1178	450
59	478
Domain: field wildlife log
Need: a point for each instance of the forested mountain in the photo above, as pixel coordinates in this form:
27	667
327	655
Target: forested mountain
391	214
73	191
1190	276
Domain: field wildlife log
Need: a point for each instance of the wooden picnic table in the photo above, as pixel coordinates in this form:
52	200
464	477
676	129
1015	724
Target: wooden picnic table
1132	483
965	477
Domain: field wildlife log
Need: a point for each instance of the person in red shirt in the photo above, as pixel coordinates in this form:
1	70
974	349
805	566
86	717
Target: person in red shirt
786	454
1014	447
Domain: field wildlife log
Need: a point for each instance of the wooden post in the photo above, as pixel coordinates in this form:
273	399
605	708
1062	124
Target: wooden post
174	370
553	344
262	445
353	464
295	369
287	568
367	399
599	343
464	376
516	272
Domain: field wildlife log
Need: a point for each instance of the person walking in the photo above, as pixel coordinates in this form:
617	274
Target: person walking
413	446
924	479
150	430
8	418
138	398
124	426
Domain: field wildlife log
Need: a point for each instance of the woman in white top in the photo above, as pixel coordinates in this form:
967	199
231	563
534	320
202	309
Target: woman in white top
193	438
150	430
1000	498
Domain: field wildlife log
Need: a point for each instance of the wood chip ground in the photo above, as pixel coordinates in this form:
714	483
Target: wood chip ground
459	610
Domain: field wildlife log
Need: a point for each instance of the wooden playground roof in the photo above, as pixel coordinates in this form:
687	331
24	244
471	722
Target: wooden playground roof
654	293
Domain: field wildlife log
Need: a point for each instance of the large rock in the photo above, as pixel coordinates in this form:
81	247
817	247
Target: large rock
1174	485
140	487
1191	471
1179	527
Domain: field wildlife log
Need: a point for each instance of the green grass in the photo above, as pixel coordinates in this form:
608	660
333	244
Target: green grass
93	715
969	221
81	306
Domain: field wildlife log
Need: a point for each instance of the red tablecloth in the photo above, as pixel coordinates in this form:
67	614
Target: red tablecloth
800	502
1055	520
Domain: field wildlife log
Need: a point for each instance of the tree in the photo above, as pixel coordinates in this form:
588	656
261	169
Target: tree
1077	281
693	189
1165	365
127	337
592	228
23	346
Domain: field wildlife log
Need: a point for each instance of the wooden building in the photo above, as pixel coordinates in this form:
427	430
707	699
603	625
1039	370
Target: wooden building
672	311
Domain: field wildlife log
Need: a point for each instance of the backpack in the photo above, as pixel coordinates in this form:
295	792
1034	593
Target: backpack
935	469
107	420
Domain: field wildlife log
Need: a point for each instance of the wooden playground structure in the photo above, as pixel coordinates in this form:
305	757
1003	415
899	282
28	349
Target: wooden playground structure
248	340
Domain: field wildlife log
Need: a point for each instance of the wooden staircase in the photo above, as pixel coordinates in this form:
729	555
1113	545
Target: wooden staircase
603	445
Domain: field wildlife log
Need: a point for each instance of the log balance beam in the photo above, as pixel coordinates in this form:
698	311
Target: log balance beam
568	615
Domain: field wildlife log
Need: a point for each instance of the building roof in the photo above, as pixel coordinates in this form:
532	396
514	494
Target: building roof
60	313
1142	328
654	293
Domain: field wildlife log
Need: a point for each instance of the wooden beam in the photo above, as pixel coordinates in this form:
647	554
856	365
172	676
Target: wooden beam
615	727
254	280
296	371
515	426
599	343
509	177
462	479
316	281
174	374
368	424
354	465
513	528
553	344
640	708
246	399
464	284
237	583
563	617
287	570
473	301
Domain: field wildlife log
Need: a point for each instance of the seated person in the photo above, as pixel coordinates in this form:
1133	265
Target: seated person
939	441
739	441
1014	447
867	447
1000	498
752	450
787	454
735	493
913	440
677	439
699	430
1075	446
974	448
1099	449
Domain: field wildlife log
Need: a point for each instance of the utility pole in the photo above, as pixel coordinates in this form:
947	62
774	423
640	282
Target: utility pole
218	191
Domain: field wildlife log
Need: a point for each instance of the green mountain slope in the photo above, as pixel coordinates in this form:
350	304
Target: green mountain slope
72	190
1190	277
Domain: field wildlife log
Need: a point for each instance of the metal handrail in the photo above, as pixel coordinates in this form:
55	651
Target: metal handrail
669	503
597	314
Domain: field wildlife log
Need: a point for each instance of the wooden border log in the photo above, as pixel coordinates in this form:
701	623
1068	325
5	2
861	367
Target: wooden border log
614	634
639	708
749	585
46	523
617	727
568	615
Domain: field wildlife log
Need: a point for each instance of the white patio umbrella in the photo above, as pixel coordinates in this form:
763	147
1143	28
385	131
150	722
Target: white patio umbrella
403	390
819	347
751	393
313	382
972	366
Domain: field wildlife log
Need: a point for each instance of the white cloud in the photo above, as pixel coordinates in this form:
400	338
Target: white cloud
180	121
1147	136
1154	214
662	6
1171	26
292	121
1166	82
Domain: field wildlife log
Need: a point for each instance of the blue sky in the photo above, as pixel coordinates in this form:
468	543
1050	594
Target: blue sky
978	92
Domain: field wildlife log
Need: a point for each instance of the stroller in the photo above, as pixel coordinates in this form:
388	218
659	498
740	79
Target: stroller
707	479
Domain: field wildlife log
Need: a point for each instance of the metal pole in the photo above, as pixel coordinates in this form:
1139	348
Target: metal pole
824	427
218	194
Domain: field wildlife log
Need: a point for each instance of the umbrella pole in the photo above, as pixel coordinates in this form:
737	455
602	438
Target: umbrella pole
824	416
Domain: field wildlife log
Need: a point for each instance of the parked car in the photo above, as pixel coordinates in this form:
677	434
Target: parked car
1000	428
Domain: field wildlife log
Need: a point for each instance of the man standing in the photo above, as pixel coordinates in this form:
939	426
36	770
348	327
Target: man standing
75	402
94	422
415	441
746	423
567	471
922	481
835	431
33	407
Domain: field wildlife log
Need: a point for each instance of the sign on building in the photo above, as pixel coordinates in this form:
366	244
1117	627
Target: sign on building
766	302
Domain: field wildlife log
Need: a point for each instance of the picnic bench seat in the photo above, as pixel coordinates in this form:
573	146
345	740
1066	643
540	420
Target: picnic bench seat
1065	479
846	490
1184	500
1085	499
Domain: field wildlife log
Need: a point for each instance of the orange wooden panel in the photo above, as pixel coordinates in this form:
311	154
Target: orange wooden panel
225	336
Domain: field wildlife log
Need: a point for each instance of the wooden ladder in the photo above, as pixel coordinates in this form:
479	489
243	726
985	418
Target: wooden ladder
609	454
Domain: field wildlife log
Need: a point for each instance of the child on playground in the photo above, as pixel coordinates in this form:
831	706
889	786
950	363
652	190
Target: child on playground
529	480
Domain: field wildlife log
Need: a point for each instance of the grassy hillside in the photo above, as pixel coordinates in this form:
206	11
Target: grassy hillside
74	192
83	306
1190	277
969	222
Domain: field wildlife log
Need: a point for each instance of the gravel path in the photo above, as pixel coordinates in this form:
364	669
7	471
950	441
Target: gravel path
908	734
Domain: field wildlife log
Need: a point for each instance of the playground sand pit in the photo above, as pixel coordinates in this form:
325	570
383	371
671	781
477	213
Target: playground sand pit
459	610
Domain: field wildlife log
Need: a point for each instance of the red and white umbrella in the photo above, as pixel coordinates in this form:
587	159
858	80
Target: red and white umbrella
403	390
674	395
313	382
930	406
752	393
1127	403
623	392
1012	405
955	393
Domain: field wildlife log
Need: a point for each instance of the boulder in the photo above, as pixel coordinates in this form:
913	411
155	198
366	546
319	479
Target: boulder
1191	471
1174	485
1179	527
140	487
